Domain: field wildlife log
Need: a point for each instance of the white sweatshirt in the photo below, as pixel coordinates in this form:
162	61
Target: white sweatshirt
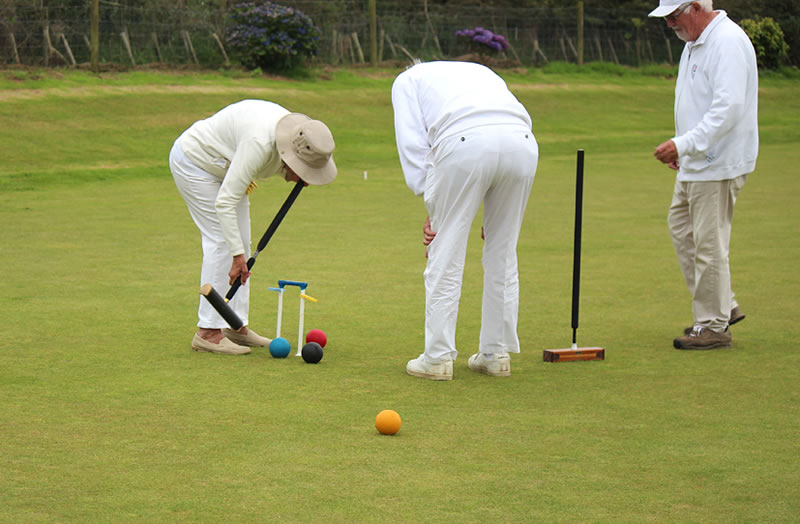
236	144
716	104
434	100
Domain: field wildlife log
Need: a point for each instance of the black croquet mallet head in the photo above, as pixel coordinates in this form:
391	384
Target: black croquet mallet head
222	307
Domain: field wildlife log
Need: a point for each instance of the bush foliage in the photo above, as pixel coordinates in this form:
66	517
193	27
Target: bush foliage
768	40
271	36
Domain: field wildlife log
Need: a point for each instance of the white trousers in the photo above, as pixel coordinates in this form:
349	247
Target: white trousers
493	165
199	190
700	218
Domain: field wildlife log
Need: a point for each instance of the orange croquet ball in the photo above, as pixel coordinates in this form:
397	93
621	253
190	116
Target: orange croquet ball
388	422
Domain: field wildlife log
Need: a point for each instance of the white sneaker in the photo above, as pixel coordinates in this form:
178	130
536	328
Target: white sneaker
419	367
251	339
496	365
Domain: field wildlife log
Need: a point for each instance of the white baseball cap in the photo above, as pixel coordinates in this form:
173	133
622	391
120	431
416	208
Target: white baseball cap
666	7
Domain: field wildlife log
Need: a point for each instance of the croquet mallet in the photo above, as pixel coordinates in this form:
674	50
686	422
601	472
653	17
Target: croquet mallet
574	352
207	290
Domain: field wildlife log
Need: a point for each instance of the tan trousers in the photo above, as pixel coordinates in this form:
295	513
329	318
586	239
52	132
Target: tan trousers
700	224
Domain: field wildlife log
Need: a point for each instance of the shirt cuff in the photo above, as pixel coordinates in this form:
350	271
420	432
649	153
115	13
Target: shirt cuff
681	144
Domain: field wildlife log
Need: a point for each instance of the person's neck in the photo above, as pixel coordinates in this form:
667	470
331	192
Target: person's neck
704	19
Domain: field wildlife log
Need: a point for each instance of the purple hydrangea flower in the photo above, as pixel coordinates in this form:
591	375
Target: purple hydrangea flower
485	37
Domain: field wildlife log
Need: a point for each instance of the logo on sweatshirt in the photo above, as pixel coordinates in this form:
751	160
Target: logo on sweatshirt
694	70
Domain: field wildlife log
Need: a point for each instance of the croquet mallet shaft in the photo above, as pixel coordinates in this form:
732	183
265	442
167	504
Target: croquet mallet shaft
273	226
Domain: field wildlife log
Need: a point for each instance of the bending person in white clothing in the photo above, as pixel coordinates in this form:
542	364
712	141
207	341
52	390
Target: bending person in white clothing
215	164
465	140
714	149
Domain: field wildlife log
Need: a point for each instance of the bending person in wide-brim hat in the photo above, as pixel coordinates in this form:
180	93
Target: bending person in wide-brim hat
216	163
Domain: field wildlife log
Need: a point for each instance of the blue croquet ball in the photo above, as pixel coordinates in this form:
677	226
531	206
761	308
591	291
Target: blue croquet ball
279	347
311	353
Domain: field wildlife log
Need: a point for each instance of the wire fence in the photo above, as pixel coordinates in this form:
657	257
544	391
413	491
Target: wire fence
174	34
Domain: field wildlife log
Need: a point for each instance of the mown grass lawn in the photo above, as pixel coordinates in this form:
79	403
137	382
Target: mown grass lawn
108	416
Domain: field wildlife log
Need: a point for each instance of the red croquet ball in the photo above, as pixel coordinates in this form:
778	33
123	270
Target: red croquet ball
318	336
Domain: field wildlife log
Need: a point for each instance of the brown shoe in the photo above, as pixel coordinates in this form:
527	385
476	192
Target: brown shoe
736	316
702	338
225	346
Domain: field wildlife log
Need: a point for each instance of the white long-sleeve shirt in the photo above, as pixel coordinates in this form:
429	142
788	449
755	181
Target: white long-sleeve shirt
716	104
236	144
435	100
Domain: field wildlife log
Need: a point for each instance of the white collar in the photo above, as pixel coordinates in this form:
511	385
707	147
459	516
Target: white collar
721	15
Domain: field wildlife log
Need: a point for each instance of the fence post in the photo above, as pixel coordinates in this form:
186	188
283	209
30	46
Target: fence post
514	52
95	35
46	45
358	47
187	42
69	50
347	41
391	45
580	33
49	50
373	33
599	46
154	37
537	51
571	46
13	42
221	48
127	42
433	30
638	23
335	47
613	51
669	48
405	52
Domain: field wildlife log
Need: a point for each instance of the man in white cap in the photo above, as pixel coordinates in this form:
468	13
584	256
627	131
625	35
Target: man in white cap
465	140
714	148
215	164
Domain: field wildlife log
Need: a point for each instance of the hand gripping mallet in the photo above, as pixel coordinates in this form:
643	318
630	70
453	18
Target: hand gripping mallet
574	352
207	290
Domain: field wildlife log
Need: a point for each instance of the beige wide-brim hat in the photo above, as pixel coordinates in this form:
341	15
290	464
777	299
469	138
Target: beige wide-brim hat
666	7
306	146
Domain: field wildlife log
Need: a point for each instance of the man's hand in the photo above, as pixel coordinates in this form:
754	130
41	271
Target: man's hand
238	269
427	234
667	153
